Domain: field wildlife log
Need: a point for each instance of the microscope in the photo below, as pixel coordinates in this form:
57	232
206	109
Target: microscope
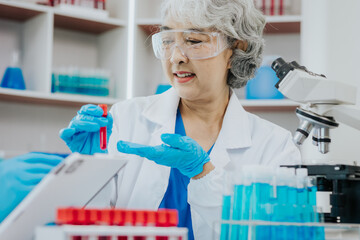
324	104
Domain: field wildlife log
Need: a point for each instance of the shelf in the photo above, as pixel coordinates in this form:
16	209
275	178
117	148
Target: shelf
78	100
275	24
148	25
19	11
283	18
269	105
28	96
282	24
85	24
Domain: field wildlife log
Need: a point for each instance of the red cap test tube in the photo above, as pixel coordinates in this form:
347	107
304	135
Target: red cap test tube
103	129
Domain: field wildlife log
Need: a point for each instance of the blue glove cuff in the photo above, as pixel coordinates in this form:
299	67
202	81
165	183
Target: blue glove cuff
197	169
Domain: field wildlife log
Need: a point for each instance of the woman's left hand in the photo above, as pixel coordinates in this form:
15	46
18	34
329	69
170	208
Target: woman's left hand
178	152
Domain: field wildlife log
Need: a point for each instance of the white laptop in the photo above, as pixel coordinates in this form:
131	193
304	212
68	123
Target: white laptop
74	182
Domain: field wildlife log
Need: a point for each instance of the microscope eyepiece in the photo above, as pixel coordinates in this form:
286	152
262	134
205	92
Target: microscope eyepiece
281	68
277	63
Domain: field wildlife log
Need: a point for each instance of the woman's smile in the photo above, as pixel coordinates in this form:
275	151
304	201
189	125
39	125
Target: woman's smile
183	77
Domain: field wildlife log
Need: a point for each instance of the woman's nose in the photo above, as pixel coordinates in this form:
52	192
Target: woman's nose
178	56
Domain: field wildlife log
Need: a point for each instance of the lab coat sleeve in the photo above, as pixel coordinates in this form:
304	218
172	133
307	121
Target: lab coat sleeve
205	198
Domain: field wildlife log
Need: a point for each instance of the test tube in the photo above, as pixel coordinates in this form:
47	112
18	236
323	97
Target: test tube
281	7
101	4
103	129
224	234
237	205
302	203
281	206
263	193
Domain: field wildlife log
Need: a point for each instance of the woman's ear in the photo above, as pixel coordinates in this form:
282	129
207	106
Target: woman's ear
242	45
239	44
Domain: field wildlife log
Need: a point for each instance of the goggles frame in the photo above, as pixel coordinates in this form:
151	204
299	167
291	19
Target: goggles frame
216	44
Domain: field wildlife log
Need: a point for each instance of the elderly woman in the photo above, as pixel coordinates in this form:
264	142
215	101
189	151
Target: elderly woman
186	141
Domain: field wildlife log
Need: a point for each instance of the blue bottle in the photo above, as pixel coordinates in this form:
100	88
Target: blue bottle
262	86
13	77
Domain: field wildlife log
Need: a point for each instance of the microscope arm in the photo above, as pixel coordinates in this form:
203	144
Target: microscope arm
348	115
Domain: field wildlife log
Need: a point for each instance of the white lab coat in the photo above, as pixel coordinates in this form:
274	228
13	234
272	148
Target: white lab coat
244	139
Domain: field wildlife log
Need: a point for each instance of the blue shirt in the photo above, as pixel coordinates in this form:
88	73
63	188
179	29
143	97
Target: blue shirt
176	193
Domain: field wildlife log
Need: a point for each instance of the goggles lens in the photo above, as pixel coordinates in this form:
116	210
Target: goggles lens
192	44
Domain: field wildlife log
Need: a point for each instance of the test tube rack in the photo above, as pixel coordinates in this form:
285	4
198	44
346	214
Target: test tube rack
107	224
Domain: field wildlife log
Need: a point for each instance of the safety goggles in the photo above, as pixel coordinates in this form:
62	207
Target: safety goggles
192	44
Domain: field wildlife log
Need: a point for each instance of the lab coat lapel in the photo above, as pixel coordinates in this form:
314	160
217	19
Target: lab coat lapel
234	133
153	178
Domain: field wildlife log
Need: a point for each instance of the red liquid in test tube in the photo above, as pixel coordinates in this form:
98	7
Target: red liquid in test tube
103	129
272	6
281	10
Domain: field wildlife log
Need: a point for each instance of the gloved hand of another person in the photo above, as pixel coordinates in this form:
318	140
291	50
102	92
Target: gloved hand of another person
83	133
178	152
19	175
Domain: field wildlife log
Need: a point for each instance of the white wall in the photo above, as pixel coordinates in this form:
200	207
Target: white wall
330	45
30	127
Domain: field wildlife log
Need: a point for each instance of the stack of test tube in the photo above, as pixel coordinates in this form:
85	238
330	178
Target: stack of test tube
94	82
118	217
96	4
277	7
263	195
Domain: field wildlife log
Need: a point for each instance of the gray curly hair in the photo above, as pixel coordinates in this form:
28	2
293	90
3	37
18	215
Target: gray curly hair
236	19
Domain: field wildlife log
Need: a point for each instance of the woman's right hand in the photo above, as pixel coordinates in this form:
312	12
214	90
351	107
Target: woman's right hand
83	133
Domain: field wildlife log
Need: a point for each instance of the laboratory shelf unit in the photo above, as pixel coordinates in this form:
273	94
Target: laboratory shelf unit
48	38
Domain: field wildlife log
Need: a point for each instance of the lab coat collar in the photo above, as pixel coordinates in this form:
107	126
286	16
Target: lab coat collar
234	134
235	130
163	108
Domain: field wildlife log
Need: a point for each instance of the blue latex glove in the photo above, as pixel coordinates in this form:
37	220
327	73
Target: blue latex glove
19	175
83	133
178	152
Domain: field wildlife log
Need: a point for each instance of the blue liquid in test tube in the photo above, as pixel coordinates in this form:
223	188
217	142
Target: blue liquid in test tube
262	194
224	234
280	212
237	211
245	209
